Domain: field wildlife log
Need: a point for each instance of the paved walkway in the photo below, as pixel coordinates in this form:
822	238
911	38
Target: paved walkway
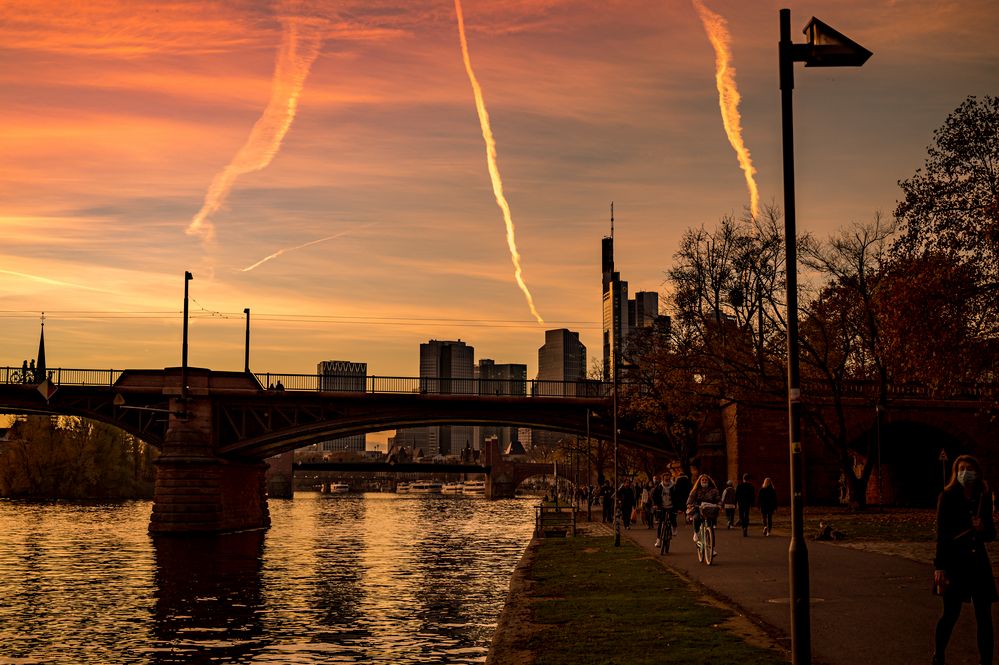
865	606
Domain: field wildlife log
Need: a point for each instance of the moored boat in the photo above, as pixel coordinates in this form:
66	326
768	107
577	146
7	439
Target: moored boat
474	488
402	488
425	487
339	488
453	488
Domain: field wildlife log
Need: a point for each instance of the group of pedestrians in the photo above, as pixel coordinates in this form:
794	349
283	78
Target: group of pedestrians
965	523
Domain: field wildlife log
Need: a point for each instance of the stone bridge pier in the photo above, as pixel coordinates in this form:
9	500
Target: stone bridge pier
502	481
198	491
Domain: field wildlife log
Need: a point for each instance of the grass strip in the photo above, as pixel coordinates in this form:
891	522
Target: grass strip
596	603
872	525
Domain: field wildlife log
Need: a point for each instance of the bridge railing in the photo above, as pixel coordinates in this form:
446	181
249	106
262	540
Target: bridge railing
60	376
434	386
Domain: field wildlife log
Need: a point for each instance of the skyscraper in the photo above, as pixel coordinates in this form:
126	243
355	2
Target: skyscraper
343	375
499	380
448	367
561	359
621	316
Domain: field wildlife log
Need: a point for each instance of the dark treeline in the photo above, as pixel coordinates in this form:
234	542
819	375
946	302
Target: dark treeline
73	458
893	302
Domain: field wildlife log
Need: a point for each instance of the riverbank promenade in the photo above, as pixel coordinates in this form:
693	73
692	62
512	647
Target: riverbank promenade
865	605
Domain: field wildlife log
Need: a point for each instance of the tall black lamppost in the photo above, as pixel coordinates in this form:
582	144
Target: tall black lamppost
589	470
246	353
617	487
183	351
825	48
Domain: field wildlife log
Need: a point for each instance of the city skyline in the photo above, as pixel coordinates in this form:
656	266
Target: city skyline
370	224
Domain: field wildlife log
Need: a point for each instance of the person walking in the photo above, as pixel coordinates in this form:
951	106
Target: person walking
660	500
768	505
728	502
962	571
607	501
645	504
745	499
681	490
626	501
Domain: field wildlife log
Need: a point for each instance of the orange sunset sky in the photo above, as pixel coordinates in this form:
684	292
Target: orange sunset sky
118	119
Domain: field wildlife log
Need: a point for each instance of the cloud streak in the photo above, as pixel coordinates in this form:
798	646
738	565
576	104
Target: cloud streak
300	46
728	95
494	174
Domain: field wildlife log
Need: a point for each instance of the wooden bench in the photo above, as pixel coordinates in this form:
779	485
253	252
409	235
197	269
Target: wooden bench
552	522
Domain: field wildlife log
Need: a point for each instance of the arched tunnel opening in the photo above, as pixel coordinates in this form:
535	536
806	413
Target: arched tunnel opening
913	465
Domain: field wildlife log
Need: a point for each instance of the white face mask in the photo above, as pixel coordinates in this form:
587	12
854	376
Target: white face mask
704	484
966	477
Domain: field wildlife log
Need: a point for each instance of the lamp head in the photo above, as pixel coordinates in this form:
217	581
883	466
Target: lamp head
828	47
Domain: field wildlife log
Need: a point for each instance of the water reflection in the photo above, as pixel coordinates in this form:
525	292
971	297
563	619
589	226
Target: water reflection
209	596
374	578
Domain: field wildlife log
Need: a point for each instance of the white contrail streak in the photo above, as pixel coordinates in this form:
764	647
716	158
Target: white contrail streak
300	45
53	282
728	95
494	174
292	249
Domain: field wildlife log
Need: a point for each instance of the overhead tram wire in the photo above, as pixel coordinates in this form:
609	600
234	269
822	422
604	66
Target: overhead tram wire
205	314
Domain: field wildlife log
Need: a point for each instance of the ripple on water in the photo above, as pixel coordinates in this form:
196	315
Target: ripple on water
375	578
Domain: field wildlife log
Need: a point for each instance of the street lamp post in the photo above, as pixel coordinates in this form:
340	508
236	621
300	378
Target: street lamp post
183	348
617	487
825	48
589	470
246	353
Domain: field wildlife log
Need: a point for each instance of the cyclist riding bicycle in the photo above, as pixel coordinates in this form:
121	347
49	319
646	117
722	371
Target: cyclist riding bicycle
662	506
705	491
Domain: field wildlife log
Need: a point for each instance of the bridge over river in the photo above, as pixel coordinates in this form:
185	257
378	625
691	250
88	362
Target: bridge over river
214	429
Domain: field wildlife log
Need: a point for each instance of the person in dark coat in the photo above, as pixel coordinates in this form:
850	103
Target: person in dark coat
607	501
768	505
962	571
680	492
745	499
626	501
728	503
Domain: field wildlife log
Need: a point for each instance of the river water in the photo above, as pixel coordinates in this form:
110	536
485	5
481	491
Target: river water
373	578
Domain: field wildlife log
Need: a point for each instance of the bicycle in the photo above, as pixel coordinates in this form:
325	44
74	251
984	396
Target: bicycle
705	544
665	530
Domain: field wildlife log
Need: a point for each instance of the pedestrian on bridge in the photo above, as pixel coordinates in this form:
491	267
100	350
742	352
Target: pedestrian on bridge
962	570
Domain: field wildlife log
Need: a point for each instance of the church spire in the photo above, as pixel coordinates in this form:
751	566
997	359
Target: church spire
40	363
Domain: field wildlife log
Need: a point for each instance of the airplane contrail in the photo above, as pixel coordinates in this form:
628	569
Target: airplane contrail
53	282
728	95
300	46
494	175
292	249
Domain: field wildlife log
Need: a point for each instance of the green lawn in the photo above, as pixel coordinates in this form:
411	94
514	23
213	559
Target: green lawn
601	604
871	525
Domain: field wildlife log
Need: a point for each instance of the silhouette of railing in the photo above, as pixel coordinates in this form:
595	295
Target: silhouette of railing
60	376
434	386
353	384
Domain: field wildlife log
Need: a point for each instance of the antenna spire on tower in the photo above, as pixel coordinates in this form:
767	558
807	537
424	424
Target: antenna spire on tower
612	219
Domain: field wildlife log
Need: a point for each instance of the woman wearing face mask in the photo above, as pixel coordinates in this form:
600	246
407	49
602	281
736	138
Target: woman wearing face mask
962	568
